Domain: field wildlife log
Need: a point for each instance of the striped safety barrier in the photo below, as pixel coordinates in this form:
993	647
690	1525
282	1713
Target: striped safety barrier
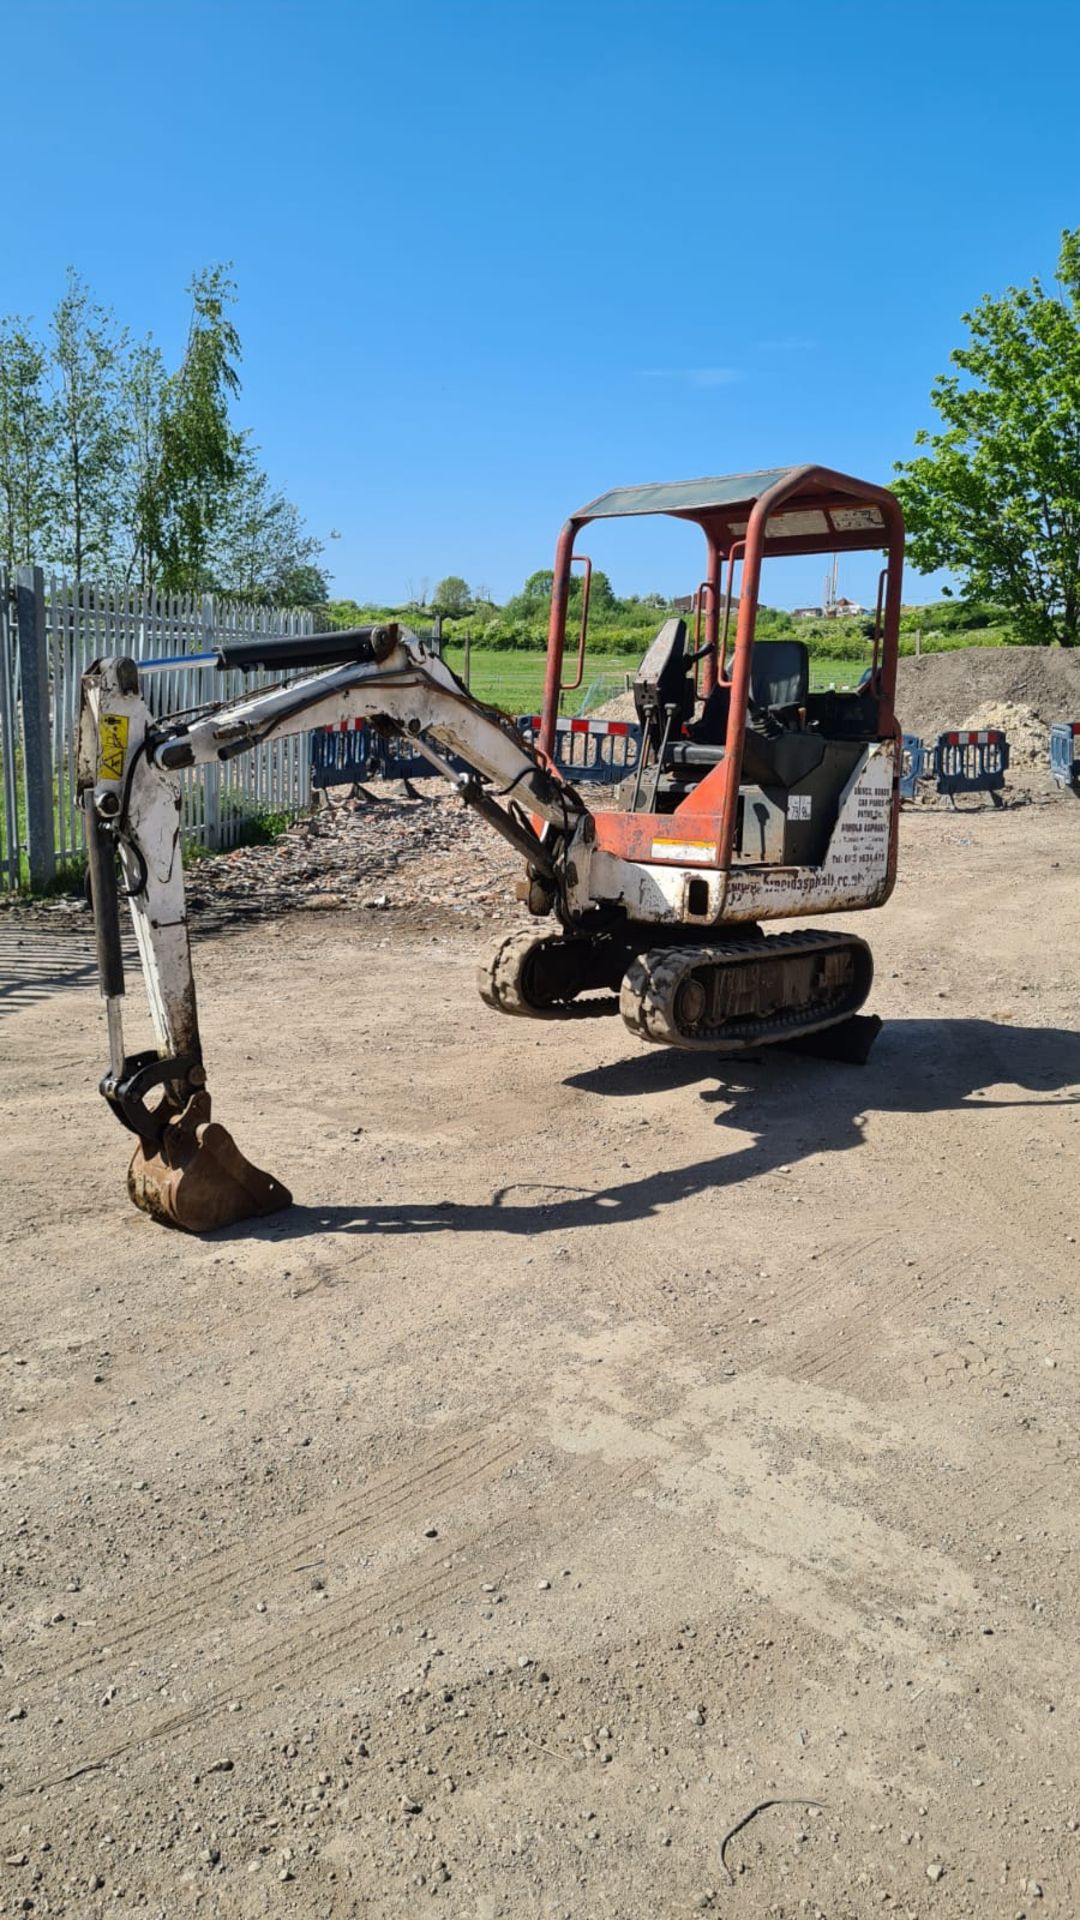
397	760
967	761
1065	753
603	751
913	765
341	755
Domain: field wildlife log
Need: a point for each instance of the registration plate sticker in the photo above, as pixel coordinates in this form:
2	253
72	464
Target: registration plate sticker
112	745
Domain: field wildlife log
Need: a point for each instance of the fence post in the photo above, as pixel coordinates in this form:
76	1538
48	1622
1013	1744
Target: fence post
37	735
212	781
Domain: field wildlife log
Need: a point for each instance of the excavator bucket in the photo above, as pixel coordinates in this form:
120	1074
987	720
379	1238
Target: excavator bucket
196	1178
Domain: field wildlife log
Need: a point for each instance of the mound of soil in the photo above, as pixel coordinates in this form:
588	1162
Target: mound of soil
621	707
1024	689
1027	733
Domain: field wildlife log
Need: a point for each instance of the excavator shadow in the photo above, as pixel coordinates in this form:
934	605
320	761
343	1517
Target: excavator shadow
917	1066
790	1106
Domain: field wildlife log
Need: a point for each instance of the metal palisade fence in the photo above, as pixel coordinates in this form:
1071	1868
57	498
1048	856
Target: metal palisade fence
10	744
50	631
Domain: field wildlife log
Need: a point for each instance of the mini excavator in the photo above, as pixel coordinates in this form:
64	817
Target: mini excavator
754	799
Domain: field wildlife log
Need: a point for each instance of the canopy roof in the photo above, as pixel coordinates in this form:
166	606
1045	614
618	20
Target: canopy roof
819	511
685	496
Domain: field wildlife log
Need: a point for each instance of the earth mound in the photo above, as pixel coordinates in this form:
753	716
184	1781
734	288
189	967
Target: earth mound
1024	689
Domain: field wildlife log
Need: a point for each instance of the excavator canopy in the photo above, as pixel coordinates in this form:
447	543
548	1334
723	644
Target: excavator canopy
829	512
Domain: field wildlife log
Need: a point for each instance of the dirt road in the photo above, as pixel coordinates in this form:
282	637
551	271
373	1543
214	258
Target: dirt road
607	1443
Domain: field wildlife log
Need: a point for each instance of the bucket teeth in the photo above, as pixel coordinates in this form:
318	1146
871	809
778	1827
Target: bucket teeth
196	1178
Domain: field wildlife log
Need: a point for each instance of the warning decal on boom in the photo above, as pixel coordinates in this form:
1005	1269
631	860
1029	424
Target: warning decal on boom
112	746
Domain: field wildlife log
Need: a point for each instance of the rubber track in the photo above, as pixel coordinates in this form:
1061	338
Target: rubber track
500	982
647	999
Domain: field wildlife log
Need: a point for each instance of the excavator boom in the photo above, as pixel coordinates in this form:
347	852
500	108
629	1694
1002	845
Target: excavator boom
186	1169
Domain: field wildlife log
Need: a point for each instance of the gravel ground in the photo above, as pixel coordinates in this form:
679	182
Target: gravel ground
608	1443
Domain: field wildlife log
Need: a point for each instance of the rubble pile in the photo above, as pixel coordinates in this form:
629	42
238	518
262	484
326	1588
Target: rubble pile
391	851
1027	733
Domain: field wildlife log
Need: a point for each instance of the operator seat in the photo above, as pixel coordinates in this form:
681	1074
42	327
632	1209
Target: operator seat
773	755
779	677
663	681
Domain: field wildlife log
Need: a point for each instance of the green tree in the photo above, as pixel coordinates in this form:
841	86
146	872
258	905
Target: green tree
142	400
601	593
452	596
537	589
89	436
996	495
27	437
185	493
261	550
126	469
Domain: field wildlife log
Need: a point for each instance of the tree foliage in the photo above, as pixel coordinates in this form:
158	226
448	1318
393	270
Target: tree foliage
27	439
260	548
143	382
996	495
452	596
113	467
186	493
87	357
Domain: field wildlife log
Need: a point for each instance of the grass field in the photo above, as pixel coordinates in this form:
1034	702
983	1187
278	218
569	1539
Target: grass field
515	681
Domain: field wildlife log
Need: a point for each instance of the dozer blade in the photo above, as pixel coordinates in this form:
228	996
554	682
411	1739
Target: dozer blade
196	1177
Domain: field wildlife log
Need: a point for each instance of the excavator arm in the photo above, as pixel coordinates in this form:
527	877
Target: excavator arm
186	1169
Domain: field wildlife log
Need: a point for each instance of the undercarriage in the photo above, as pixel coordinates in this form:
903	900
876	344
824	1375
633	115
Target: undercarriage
730	995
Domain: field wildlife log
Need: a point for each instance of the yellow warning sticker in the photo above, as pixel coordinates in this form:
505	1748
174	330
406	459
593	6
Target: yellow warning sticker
112	746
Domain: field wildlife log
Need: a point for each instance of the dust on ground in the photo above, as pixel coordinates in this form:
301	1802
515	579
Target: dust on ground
608	1443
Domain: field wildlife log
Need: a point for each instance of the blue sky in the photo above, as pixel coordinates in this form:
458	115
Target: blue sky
494	258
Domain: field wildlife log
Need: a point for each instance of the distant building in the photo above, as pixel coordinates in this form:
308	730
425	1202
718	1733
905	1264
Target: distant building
844	609
687	602
806	613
